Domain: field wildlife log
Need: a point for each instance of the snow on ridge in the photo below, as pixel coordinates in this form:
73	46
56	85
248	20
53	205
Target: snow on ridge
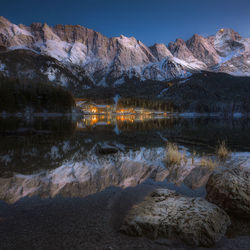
18	31
3	69
57	49
63	81
15	30
119	82
162	92
239	73
191	65
75	53
102	82
228	57
19	47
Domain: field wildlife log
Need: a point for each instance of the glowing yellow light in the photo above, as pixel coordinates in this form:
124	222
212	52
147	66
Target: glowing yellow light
221	30
94	110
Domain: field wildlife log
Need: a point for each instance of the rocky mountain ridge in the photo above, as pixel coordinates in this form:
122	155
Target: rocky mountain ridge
90	59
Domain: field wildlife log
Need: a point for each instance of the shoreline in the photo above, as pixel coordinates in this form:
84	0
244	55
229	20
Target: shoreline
90	223
153	114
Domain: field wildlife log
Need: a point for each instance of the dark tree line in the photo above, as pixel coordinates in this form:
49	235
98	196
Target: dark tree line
17	96
158	105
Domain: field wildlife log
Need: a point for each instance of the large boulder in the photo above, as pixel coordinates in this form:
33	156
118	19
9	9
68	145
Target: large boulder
230	190
164	213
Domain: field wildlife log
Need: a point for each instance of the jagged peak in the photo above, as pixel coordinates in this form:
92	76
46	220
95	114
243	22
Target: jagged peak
228	33
160	51
180	41
4	20
46	26
36	25
128	41
157	45
127	38
196	38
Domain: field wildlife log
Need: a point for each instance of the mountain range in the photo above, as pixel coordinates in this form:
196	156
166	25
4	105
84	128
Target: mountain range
80	58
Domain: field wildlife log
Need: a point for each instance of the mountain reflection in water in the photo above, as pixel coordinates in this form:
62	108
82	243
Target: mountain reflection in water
48	157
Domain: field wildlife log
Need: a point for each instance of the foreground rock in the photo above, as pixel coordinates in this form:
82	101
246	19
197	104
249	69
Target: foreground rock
230	190
164	213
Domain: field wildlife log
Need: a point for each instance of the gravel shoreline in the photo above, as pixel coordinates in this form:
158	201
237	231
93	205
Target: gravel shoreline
90	223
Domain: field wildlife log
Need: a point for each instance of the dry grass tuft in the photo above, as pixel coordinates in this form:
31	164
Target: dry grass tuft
174	156
193	157
205	162
184	158
222	151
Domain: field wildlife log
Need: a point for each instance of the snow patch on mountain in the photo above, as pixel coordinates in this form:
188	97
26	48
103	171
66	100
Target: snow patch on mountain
2	67
14	30
119	82
57	49
63	81
190	66
18	31
229	56
162	92
102	83
51	73
78	53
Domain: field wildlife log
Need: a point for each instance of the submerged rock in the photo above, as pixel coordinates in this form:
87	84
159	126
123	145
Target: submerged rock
164	213
230	190
106	149
198	177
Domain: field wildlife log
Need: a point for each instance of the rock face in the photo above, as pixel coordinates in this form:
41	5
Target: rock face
96	60
160	51
230	190
203	50
180	50
164	213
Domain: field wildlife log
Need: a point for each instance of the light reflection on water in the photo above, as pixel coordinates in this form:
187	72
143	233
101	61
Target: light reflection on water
112	120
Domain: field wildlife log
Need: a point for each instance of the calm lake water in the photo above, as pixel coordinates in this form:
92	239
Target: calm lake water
51	173
31	146
27	146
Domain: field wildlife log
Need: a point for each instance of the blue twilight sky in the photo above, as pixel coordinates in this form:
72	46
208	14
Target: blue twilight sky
150	21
